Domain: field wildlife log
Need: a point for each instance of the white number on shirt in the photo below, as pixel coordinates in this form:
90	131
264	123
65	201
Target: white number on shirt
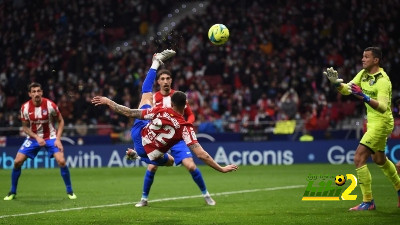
156	125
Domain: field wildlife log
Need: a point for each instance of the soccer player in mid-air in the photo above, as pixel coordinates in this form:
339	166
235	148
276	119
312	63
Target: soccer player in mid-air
373	86
158	129
180	151
39	116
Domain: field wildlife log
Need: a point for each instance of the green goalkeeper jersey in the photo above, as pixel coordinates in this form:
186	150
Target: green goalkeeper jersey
378	87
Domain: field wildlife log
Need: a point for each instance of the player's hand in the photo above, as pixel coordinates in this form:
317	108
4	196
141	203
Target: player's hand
41	141
229	168
332	76
58	144
100	100
356	90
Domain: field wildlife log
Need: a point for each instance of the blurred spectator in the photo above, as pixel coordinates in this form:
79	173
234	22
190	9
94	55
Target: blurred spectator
12	125
79	47
263	121
3	124
206	126
66	107
263	102
289	102
310	120
81	128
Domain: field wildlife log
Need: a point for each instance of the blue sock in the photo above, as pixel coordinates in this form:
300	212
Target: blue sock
14	179
148	82
66	177
198	178
148	181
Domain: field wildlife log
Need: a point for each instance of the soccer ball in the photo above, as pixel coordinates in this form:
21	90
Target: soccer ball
340	180
218	34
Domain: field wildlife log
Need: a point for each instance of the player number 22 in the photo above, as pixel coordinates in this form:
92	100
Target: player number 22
160	137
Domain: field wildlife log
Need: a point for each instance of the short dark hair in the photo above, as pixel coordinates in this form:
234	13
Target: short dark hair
178	98
163	71
376	52
33	85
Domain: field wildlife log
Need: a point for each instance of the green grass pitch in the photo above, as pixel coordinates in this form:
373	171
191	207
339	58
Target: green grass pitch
252	195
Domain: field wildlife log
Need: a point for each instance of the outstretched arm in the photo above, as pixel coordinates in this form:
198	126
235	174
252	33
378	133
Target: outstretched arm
120	109
206	158
333	77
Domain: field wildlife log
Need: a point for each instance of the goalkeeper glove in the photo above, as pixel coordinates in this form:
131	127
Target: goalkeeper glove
356	90
332	76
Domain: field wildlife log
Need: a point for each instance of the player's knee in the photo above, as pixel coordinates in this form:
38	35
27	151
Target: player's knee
170	161
152	168
379	160
191	166
18	164
360	160
61	162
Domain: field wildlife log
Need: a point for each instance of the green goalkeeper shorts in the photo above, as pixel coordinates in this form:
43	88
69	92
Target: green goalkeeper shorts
376	136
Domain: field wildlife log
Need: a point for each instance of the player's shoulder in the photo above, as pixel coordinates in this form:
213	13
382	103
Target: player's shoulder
26	104
49	103
382	76
46	100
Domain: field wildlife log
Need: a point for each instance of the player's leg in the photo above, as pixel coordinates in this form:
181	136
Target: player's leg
389	169
182	154
15	174
148	181
147	86
364	178
64	170
146	101
29	148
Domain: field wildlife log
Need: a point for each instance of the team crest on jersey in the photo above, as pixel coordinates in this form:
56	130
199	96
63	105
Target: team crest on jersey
44	112
371	82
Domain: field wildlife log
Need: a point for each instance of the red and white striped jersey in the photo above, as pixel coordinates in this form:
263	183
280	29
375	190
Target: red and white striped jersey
160	100
165	129
41	118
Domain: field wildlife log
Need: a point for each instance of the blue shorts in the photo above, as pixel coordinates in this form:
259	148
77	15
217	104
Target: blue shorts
136	135
180	151
31	147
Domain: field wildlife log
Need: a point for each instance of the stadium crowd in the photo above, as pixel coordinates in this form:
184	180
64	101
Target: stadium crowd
269	70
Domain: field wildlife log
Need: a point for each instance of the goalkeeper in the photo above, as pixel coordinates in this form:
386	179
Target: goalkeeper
371	85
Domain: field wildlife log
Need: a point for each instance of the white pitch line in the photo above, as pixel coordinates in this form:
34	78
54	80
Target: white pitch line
156	200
